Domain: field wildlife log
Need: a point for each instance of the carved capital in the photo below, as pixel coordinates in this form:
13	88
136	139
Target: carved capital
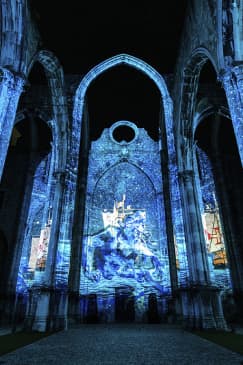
6	76
238	72
230	74
12	80
225	75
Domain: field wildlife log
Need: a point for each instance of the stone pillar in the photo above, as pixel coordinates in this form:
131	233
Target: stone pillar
233	84
218	311
11	282
38	309
198	296
231	233
49	276
75	299
48	310
196	248
11	87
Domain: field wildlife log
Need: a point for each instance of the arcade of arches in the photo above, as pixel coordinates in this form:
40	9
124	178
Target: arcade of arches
121	193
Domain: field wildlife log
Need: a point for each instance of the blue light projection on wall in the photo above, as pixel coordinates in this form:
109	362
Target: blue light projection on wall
124	240
215	242
38	227
167	110
125	243
11	87
178	228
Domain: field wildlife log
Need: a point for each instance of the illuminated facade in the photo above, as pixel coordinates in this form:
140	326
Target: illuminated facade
124	243
125	226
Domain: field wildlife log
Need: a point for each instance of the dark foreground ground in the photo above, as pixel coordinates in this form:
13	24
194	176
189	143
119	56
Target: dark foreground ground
121	345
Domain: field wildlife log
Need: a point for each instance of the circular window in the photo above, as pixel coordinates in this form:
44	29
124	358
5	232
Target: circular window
123	132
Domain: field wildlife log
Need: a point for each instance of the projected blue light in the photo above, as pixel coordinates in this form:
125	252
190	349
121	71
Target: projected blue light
124	251
10	90
125	242
232	80
79	117
38	226
213	231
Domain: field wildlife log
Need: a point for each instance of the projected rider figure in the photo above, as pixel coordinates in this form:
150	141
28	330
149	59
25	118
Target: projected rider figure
124	248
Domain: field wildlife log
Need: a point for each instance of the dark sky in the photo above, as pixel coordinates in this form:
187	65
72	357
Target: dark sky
85	33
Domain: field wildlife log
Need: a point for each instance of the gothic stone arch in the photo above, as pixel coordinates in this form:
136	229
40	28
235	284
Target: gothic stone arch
55	78
78	119
198	266
189	90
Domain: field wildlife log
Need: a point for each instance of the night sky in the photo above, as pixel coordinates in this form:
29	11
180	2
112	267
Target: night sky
84	33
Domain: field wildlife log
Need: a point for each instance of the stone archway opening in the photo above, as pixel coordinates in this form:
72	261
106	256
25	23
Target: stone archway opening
120	93
129	92
220	179
29	146
27	152
123	93
28	160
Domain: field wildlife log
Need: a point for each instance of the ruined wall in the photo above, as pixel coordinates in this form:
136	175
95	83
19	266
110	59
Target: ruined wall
200	31
19	37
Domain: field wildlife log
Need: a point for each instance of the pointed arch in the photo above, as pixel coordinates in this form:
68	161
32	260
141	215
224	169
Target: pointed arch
13	17
121	59
118	60
184	129
49	62
55	78
134	165
167	138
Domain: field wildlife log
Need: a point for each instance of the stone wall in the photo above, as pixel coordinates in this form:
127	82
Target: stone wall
200	31
18	46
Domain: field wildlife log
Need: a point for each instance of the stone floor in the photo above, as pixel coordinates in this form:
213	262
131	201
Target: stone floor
120	345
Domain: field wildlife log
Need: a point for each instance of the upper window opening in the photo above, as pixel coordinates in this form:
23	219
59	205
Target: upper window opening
123	133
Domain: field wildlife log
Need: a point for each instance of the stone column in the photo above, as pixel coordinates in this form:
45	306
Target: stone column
49	277
25	207
198	297
231	231
11	87
47	298
12	297
196	248
75	299
233	84
218	311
